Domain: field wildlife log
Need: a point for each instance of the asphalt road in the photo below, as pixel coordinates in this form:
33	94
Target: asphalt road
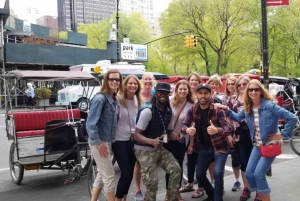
49	185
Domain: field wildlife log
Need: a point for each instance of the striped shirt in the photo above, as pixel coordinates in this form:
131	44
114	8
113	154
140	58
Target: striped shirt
257	137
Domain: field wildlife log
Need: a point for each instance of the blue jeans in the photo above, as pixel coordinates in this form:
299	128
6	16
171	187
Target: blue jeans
256	171
206	157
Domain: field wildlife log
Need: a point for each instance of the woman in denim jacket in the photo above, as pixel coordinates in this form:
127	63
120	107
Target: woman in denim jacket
101	127
261	114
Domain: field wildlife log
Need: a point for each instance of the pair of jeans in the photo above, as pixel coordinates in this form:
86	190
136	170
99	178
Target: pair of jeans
177	149
256	171
124	154
206	157
192	163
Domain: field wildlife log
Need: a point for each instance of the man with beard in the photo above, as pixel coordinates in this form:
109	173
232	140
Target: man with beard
212	133
152	130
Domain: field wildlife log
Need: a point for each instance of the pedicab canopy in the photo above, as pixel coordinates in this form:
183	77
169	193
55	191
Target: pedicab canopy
50	75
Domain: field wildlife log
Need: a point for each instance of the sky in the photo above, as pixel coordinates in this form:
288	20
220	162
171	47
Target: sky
49	7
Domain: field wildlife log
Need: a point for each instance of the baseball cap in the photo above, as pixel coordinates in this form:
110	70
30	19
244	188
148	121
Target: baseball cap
204	86
163	86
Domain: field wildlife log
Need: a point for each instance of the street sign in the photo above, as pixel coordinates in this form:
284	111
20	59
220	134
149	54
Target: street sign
278	2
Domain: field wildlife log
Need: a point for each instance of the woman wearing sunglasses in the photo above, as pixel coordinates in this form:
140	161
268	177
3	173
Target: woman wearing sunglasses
230	93
261	114
101	127
243	142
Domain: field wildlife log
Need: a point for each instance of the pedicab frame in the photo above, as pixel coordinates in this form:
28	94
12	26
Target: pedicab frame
59	161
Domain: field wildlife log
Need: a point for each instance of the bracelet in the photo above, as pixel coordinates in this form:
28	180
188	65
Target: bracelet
191	145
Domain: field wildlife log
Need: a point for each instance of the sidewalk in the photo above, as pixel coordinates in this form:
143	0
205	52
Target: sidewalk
284	184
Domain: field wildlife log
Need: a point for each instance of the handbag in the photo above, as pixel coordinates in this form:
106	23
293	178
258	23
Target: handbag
270	150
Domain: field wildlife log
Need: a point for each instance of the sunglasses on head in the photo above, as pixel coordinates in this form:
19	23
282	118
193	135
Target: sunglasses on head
114	79
243	84
230	84
254	89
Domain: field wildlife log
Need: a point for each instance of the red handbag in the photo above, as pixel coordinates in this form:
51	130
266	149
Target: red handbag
270	150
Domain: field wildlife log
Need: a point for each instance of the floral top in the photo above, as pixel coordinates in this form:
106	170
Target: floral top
241	130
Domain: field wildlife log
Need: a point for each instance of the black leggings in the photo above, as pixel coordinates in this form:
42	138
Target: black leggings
124	154
177	149
192	163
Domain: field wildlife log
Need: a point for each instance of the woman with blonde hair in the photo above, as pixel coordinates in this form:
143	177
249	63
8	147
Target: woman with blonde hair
180	104
130	101
101	125
261	114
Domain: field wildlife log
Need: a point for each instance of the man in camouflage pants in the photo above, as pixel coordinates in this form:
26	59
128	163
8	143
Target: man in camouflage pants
151	131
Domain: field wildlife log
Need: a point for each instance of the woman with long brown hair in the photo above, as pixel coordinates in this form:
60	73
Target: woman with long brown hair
180	103
101	128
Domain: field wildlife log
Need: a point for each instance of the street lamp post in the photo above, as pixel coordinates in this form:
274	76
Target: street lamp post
118	44
265	43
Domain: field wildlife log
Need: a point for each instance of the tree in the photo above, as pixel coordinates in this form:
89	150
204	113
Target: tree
215	23
133	25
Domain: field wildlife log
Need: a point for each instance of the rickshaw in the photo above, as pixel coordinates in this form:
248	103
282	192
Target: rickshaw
45	139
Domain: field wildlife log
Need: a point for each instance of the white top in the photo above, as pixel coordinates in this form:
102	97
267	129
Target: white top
126	122
257	137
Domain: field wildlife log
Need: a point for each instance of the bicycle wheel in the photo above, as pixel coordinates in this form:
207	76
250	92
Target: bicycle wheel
91	175
295	142
16	169
184	169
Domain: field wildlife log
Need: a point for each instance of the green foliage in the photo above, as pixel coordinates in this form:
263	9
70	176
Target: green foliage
63	35
42	93
133	25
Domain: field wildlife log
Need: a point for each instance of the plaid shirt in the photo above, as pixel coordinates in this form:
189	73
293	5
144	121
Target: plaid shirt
218	118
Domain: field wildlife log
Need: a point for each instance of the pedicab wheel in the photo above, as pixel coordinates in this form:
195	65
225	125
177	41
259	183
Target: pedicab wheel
91	175
16	169
185	172
295	142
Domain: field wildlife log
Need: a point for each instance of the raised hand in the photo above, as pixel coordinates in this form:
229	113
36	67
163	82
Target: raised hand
211	130
191	130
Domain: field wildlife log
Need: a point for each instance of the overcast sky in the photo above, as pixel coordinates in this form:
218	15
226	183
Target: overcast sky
49	7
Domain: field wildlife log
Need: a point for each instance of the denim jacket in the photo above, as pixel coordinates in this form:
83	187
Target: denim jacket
269	114
101	122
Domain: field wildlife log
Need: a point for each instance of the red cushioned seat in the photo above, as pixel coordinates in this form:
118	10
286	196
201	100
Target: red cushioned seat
30	133
282	121
33	123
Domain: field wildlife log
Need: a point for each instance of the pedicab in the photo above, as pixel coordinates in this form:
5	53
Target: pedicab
45	139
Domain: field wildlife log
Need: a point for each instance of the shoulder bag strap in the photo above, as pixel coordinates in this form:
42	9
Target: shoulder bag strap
179	113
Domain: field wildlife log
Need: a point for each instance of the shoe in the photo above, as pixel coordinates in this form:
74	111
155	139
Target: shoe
236	186
208	199
145	196
246	194
257	197
138	196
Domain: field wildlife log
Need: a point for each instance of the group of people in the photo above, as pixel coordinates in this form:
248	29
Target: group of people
145	128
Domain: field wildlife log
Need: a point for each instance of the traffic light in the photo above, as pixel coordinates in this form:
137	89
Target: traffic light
187	41
190	41
193	41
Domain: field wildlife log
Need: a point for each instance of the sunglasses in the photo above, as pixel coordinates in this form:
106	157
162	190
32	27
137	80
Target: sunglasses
230	84
243	84
114	79
254	89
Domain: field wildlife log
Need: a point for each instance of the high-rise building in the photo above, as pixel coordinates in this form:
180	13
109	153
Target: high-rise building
51	22
146	9
73	12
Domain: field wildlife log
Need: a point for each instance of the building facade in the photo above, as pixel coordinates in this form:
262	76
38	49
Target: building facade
51	22
146	9
73	12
